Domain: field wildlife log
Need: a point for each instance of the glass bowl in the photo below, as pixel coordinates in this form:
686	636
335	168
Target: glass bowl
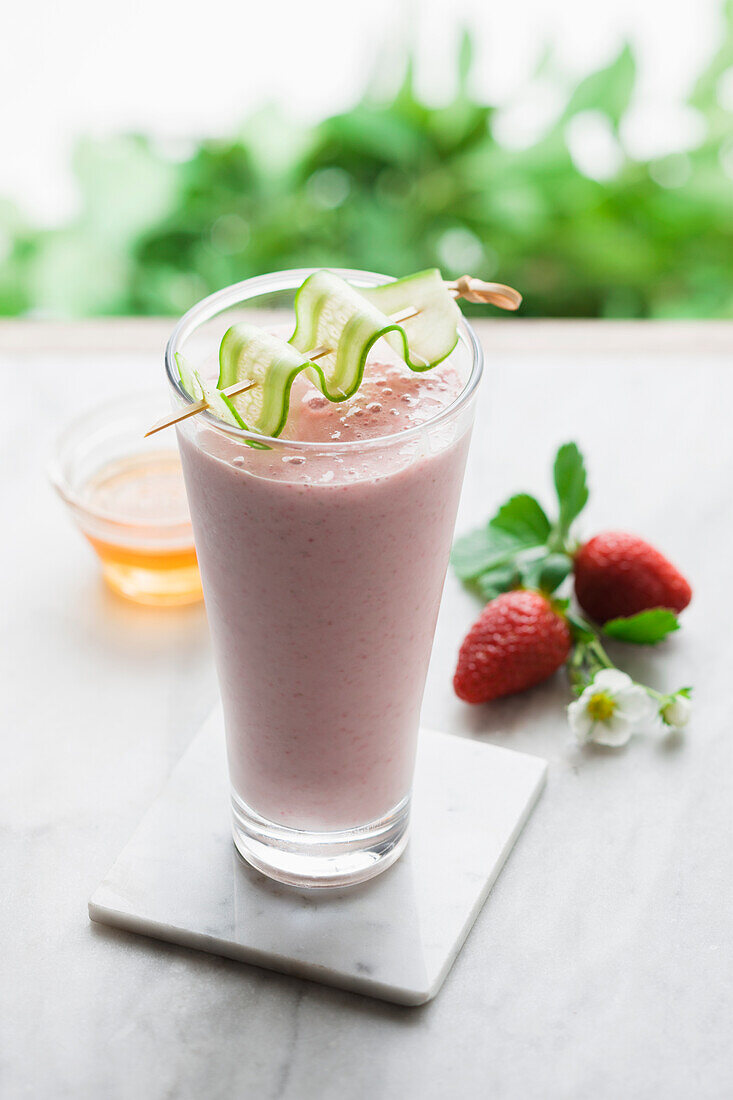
127	496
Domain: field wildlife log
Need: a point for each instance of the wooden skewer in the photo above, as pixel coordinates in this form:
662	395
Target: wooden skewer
473	290
197	407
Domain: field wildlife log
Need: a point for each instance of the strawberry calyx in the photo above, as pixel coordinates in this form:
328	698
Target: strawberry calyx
521	549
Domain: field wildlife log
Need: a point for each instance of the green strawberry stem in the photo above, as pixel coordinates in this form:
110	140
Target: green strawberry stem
588	657
522	547
560	542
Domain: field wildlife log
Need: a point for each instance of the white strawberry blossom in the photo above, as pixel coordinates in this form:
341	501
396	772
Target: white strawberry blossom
676	713
610	709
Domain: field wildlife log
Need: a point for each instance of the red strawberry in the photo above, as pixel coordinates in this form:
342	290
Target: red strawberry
619	575
518	640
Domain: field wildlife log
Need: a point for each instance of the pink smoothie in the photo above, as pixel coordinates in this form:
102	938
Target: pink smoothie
322	575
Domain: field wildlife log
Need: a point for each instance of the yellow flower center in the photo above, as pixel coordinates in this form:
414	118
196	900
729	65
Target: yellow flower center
601	706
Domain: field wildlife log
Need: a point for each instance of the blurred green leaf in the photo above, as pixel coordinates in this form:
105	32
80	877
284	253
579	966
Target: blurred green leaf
495	581
396	185
608	90
646	628
570	484
524	518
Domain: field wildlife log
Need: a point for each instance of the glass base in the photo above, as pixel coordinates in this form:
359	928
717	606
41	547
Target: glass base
303	858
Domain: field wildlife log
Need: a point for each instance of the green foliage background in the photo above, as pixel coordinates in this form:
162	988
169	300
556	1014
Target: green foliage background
395	187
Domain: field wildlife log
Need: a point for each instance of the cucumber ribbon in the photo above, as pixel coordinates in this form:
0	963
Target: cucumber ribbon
343	320
195	386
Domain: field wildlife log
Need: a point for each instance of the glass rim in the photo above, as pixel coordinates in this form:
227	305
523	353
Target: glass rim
290	279
61	483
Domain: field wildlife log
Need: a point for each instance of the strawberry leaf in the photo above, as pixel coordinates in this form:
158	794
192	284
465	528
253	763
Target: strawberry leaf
520	524
495	581
543	569
646	628
551	571
481	550
581	630
523	517
570	484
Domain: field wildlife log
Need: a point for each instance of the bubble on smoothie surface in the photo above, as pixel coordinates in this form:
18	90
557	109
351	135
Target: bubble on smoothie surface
315	400
390	398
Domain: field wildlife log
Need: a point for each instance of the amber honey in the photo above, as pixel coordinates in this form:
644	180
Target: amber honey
150	576
137	521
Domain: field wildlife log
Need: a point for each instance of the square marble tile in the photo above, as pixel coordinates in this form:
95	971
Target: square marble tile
394	937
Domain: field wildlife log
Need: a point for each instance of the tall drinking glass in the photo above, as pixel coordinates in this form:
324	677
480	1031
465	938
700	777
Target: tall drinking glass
322	566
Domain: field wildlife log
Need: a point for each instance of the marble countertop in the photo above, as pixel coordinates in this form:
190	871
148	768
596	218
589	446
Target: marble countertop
601	964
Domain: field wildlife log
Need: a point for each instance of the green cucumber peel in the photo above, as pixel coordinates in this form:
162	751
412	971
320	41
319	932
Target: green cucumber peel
199	389
189	378
432	334
331	312
220	405
249	353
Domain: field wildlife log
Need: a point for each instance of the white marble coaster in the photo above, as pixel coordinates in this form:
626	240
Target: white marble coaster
395	937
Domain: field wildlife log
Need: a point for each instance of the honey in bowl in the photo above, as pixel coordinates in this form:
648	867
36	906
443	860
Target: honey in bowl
145	490
128	498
